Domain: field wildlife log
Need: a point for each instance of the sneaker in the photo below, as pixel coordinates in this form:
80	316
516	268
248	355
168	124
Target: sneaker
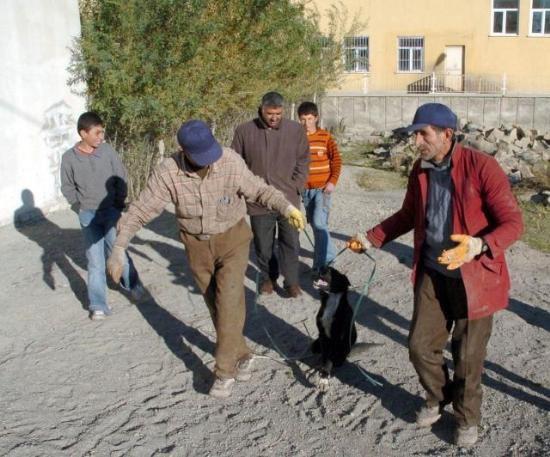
266	287
466	436
244	369
293	291
97	315
320	283
428	415
222	388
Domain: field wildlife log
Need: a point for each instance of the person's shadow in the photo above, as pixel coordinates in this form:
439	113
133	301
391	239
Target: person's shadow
60	246
180	339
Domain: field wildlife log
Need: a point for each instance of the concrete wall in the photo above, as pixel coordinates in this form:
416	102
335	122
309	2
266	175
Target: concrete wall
38	112
361	115
468	23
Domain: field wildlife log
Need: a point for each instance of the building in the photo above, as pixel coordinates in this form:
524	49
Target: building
435	46
38	110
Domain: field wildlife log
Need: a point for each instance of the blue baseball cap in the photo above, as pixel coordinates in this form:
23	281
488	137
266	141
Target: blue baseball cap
435	114
198	143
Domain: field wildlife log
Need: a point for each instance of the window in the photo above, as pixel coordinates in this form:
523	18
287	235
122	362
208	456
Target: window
540	17
410	54
356	54
505	17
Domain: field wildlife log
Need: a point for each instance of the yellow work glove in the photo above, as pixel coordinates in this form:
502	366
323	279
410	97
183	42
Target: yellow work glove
358	243
116	262
468	247
295	218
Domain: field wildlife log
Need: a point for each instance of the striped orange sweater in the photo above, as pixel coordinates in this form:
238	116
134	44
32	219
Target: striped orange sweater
325	161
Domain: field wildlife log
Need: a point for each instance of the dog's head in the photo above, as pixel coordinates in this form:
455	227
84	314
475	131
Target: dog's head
332	281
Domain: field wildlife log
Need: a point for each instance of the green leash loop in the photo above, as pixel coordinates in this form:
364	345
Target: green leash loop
364	294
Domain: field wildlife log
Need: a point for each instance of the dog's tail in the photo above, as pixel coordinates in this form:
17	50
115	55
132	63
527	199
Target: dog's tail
361	348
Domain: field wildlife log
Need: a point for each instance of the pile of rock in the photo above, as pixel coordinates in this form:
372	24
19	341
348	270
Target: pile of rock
518	151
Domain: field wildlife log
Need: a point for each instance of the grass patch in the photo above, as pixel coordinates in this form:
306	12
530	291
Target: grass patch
536	218
374	179
357	154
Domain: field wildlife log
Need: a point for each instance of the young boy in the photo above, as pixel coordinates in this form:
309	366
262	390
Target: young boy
93	180
324	169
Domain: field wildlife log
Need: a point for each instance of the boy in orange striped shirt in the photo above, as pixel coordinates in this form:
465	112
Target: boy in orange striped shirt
324	169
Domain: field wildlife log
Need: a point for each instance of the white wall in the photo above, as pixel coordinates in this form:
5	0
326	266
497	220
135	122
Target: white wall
38	112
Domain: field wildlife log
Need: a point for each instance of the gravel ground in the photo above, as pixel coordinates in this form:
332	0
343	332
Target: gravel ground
136	383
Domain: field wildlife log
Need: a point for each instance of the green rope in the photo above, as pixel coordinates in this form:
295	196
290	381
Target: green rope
271	339
355	311
364	294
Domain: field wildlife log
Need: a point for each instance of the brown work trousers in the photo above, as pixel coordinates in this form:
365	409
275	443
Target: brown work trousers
218	265
440	306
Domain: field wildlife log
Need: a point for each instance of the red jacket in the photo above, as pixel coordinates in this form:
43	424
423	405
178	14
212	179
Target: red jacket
482	205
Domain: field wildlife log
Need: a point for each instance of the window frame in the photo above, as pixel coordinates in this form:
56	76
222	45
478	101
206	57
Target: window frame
544	11
357	59
504	12
411	55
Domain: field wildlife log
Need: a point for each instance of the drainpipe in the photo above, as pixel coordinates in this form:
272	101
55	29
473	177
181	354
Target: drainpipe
503	86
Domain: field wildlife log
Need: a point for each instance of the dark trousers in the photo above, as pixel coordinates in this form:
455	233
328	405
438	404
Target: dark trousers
265	227
218	266
440	310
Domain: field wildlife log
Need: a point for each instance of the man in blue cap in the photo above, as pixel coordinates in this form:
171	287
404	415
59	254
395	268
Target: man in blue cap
208	185
454	195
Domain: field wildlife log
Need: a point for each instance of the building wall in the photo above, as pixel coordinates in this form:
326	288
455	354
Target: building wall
38	112
523	58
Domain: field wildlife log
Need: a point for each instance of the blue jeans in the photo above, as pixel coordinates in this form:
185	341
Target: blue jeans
99	230
317	205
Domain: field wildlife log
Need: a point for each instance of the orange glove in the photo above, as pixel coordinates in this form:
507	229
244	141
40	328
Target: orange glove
468	247
358	243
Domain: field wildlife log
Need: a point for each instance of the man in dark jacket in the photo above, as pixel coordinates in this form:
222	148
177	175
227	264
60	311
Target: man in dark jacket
277	150
454	195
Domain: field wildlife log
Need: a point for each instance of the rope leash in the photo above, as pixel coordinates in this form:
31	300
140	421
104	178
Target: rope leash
364	294
279	351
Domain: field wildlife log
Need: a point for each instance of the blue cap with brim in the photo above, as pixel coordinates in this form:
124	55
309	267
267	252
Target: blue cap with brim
435	114
198	143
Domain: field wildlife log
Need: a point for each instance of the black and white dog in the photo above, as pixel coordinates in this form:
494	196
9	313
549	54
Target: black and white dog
337	332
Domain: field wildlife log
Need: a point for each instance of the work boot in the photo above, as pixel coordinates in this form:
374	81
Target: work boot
428	415
222	388
293	291
266	287
244	368
466	436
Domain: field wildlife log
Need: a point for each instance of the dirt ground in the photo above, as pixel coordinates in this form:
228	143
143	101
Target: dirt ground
136	383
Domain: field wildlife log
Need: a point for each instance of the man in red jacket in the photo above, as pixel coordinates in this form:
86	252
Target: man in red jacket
454	195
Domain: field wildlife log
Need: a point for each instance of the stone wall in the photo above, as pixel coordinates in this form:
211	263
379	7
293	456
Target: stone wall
356	117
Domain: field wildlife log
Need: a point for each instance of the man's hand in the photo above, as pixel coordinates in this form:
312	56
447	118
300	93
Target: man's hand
295	218
115	264
329	188
468	247
358	243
